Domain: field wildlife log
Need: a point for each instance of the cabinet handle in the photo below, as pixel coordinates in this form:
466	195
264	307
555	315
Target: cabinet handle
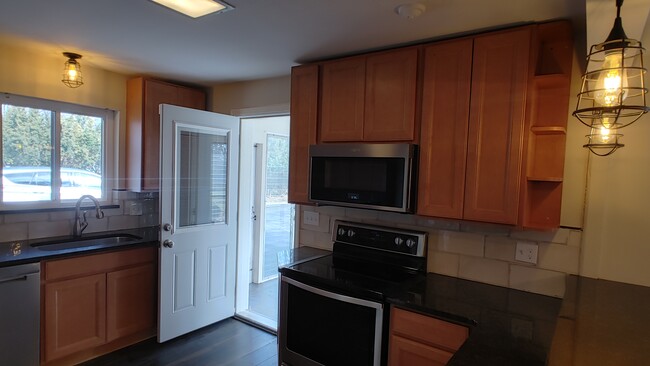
11	279
168	244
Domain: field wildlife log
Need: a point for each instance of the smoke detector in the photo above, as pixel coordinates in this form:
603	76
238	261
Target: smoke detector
410	10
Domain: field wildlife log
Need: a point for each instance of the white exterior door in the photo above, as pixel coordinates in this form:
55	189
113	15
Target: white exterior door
198	207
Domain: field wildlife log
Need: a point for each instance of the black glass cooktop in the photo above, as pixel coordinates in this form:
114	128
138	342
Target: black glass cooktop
353	276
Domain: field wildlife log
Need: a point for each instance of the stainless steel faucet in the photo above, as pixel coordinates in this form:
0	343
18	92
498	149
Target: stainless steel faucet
80	225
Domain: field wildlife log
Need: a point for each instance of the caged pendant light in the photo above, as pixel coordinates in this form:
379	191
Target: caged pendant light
72	70
613	94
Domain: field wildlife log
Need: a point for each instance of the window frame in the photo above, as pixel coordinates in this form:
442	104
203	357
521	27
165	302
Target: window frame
109	148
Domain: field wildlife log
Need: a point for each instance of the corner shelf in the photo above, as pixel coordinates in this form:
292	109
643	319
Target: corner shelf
549	110
545	179
548	130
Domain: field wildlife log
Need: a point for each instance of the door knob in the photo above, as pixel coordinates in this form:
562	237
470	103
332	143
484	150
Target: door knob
167	227
168	244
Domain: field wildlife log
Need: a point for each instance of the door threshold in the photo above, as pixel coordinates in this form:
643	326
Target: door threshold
258	321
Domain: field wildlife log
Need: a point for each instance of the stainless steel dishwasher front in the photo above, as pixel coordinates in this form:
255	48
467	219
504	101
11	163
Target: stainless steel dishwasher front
20	315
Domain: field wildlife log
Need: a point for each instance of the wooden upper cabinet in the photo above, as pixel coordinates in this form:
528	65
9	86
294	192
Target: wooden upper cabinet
370	98
144	97
497	120
444	124
342	100
391	91
304	119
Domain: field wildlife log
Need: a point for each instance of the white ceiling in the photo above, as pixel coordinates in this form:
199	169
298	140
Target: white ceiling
259	38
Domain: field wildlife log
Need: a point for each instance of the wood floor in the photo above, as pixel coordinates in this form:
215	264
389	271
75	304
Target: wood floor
229	342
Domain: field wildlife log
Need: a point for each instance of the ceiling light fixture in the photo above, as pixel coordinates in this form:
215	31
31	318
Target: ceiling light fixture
613	93
72	70
410	10
196	8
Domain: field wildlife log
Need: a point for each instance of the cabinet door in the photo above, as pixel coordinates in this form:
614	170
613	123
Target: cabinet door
155	93
405	352
75	315
304	119
445	116
190	98
496	125
391	88
131	301
144	97
342	100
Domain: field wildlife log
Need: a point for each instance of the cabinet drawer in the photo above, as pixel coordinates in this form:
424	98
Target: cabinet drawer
425	329
404	352
97	263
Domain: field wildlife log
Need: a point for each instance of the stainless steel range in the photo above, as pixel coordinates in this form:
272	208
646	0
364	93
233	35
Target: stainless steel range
333	309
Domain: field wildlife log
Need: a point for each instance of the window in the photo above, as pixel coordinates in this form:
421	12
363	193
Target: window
52	153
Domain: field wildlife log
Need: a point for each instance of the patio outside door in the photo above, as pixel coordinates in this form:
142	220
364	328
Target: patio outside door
198	198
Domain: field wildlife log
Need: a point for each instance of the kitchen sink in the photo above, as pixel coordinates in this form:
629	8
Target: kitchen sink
86	242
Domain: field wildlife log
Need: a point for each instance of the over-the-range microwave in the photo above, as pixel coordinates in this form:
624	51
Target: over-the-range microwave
373	176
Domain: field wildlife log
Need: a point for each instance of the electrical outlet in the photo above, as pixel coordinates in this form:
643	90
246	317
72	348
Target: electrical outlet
526	252
311	218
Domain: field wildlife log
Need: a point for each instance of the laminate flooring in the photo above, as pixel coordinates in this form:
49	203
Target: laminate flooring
228	343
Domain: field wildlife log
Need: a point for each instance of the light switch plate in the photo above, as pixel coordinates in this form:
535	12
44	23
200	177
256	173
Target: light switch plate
526	252
311	218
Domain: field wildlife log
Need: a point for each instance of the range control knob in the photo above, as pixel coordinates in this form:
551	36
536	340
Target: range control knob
341	231
398	241
410	243
351	233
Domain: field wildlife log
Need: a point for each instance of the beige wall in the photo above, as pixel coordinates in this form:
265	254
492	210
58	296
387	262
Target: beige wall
617	219
25	69
273	92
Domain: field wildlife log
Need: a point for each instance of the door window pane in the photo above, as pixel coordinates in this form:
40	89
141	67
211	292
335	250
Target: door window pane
202	166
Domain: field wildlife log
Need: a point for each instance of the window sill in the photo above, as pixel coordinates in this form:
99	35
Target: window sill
51	209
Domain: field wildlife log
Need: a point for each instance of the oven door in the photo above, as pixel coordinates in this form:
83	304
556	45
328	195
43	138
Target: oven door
319	327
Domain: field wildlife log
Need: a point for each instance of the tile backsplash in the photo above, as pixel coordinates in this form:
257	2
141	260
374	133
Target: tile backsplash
474	251
135	210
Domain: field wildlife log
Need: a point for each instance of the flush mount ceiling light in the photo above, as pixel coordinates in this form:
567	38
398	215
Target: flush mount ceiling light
613	93
410	10
72	70
196	8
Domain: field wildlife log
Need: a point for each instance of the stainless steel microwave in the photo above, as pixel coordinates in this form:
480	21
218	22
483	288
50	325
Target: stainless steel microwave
374	176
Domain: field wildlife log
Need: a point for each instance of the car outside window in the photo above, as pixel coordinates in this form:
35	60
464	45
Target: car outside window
53	153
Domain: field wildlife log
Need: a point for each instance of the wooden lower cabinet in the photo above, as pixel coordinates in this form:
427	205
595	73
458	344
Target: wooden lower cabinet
407	352
74	315
95	304
130	293
417	339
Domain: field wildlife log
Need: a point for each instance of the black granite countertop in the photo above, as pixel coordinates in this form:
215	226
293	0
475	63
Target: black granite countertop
27	251
507	327
598	322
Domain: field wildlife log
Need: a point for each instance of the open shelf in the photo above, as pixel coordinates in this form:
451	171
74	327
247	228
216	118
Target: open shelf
544	179
548	130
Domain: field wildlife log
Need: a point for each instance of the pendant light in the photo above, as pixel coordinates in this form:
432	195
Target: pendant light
613	93
72	70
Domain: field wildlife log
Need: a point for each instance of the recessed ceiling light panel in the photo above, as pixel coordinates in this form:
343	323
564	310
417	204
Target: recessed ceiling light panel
196	8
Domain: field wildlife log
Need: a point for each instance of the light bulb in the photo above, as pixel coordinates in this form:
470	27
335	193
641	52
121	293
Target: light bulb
72	72
604	135
611	86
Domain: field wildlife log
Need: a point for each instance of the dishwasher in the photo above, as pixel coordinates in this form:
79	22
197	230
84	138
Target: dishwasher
20	315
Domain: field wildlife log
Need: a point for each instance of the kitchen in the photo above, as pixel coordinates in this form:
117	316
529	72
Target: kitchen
602	238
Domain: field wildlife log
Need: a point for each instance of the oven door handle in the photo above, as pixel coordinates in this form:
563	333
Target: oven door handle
332	295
